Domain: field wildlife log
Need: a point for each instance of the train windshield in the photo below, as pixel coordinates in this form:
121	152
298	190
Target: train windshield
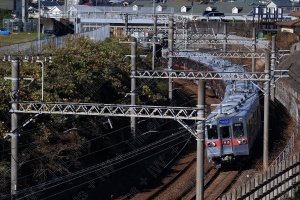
225	131
238	130
212	132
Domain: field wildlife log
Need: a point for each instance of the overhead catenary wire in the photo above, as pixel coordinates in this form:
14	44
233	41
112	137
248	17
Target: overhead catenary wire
147	147
123	168
77	174
86	142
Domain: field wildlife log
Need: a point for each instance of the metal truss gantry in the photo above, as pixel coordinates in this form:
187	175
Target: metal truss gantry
219	54
209	75
113	110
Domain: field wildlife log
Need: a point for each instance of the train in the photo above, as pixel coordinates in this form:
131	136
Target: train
233	126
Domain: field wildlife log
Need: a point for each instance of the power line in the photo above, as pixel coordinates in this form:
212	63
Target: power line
87	170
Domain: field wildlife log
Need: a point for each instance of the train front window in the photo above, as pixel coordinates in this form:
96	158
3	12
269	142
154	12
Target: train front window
212	132
238	130
225	131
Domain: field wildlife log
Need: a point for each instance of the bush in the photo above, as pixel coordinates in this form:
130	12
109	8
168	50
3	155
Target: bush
285	40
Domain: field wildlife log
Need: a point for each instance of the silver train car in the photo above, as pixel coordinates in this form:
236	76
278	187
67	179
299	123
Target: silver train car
232	127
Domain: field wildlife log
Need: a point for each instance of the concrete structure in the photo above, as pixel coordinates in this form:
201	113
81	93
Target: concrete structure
7	5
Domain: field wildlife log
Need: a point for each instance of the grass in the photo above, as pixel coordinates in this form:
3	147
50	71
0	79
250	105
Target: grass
19	37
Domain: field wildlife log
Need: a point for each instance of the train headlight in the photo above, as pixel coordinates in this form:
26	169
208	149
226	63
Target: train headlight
226	142
211	144
240	142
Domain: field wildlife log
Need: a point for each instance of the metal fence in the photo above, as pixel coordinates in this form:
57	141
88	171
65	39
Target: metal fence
33	47
278	182
282	94
282	177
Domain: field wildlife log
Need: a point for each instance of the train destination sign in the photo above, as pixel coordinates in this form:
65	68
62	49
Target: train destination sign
224	121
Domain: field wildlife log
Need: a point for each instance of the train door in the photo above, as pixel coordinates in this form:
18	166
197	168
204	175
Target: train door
212	141
240	141
226	137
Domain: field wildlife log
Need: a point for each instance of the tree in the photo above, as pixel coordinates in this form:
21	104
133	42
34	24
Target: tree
3	15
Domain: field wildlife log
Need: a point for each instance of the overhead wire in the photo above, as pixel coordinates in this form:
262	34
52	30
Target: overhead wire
97	151
86	142
86	182
77	76
77	174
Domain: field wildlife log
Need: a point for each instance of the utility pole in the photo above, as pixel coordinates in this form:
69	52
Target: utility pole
200	141
24	12
185	27
39	26
253	48
225	38
126	24
154	40
266	112
273	64
133	83
170	61
15	85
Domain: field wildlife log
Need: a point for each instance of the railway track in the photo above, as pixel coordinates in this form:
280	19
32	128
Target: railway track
216	183
161	192
211	174
221	184
181	186
181	179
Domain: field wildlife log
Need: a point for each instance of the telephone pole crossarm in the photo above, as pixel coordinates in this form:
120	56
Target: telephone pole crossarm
188	113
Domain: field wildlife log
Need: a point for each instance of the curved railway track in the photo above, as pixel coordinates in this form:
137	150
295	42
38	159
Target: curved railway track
161	192
221	184
180	186
181	181
215	184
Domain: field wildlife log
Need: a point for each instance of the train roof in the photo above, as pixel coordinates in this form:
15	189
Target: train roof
240	96
237	101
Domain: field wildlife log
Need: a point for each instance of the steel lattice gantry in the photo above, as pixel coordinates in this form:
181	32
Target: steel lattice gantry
147	111
187	113
193	75
219	54
207	38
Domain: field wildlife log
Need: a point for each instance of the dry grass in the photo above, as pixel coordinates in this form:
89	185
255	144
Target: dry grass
20	37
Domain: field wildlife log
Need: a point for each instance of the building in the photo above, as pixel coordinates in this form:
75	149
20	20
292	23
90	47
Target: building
291	26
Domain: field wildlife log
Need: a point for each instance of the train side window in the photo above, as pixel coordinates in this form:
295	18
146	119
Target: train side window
225	131
212	132
238	130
